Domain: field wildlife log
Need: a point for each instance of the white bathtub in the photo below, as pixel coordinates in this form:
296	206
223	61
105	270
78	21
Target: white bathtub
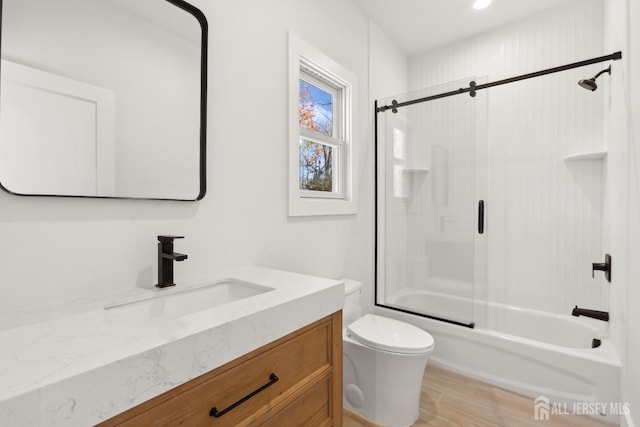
530	352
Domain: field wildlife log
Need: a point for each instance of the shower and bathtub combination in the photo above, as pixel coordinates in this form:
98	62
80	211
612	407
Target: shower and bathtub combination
489	226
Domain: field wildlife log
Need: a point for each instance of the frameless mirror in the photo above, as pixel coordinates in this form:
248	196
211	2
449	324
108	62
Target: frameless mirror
103	98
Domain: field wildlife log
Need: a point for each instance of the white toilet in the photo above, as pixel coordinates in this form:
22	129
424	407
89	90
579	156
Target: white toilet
383	361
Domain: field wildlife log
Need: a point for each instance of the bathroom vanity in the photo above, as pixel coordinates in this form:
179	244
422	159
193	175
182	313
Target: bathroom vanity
293	381
278	351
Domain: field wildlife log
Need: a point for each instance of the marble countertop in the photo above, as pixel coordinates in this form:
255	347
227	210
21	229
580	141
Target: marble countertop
84	368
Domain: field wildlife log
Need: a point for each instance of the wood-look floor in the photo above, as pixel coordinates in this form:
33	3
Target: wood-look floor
450	399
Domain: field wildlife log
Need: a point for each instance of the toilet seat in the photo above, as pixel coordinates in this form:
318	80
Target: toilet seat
390	335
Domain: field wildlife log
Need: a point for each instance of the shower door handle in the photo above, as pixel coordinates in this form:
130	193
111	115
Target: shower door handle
481	217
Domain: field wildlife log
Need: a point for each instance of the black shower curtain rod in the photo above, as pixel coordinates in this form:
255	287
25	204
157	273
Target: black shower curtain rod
473	87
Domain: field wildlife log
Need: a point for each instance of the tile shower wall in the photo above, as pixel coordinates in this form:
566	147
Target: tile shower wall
544	213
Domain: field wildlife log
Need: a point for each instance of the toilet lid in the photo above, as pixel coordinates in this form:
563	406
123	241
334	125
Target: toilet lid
390	335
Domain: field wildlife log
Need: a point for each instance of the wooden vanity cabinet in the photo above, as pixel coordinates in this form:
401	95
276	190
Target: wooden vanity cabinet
294	381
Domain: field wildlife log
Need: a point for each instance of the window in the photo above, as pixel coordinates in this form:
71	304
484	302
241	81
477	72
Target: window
321	180
321	136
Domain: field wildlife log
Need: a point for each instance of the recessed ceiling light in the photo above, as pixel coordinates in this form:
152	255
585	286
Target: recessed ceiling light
481	4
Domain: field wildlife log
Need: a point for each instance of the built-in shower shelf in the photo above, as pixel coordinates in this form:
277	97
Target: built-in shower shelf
416	170
592	155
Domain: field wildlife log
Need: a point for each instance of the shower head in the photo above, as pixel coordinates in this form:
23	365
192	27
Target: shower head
590	84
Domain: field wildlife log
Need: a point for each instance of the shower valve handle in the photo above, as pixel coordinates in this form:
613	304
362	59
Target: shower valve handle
602	266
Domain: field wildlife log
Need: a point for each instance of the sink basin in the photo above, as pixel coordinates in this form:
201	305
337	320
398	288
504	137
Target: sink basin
180	303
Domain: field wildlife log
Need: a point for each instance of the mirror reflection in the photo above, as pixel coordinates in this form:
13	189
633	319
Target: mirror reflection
103	98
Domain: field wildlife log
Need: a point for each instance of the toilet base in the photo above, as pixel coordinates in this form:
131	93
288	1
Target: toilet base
381	386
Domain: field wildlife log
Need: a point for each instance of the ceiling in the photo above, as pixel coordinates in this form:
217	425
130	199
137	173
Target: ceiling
418	26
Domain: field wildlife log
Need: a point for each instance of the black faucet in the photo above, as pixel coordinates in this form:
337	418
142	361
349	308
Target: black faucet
166	256
594	314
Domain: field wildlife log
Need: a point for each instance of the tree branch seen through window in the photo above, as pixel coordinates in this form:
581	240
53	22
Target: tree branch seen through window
315	108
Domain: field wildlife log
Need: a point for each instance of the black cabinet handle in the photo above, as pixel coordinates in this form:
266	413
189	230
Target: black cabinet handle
273	378
481	217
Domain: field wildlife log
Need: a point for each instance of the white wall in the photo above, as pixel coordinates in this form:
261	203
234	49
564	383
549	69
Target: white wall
544	215
59	249
631	369
622	210
388	66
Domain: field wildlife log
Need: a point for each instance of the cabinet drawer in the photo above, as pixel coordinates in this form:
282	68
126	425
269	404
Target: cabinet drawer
295	360
311	408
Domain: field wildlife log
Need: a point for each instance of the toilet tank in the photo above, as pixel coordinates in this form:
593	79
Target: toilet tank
352	306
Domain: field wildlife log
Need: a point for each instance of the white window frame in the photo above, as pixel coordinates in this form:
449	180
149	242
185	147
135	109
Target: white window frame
309	64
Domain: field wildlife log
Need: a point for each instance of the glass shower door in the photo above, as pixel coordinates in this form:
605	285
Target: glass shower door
428	205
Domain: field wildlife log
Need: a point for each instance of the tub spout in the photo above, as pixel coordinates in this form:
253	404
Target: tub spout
594	314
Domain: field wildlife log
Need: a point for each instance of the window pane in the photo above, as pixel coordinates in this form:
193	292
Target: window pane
316	166
315	108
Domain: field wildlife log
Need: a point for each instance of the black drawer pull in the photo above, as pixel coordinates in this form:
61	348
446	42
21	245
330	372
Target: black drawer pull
481	217
273	378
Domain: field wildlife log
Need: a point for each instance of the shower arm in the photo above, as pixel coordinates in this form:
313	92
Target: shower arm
606	70
473	87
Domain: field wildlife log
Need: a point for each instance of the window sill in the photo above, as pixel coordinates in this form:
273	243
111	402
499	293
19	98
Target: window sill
311	207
